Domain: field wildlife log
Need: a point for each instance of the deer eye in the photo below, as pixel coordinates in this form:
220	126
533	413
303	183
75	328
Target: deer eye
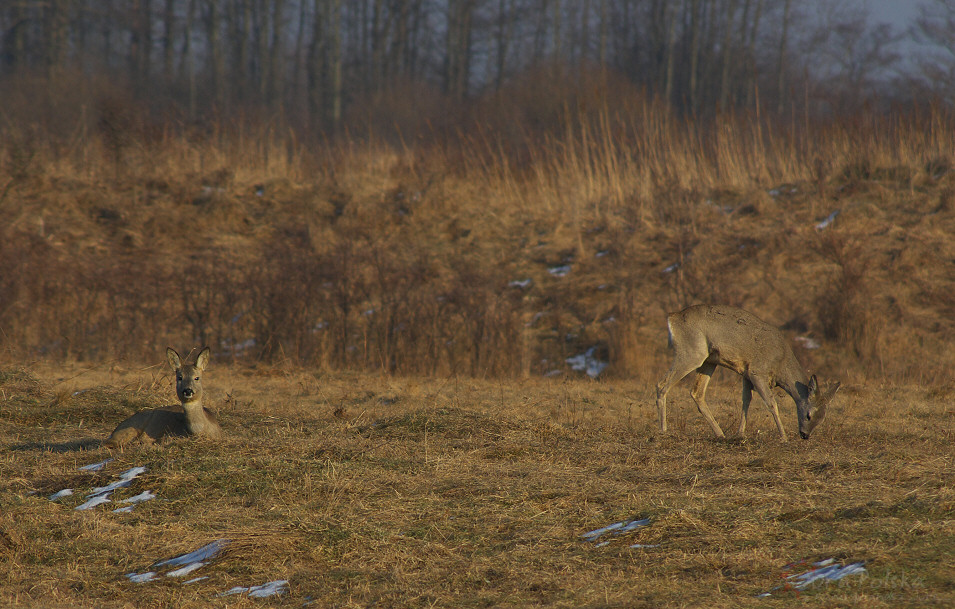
197	378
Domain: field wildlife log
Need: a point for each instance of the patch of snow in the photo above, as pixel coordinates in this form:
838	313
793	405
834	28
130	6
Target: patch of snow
520	283
204	553
60	494
93	502
586	362
142	578
824	570
100	494
617	528
125	479
274	588
807	343
829	220
94	467
144	496
829	572
560	270
726	209
277	587
672	267
239	347
181	571
131	473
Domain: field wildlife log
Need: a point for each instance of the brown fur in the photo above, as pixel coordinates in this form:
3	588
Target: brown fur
706	336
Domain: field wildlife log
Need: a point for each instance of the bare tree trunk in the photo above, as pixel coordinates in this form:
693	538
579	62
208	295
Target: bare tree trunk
335	55
670	62
695	25
325	64
603	28
17	32
399	45
217	54
728	54
781	65
144	23
751	56
503	34
582	42
188	60
458	48
263	46
299	52
277	82
168	48
556	30
55	23
414	42
540	30
378	35
243	33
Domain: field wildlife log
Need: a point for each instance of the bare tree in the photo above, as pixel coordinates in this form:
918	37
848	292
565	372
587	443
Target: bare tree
325	64
935	29
168	49
213	22
850	58
457	60
56	21
781	65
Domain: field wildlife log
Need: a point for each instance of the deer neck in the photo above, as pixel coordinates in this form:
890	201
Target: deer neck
792	379
197	421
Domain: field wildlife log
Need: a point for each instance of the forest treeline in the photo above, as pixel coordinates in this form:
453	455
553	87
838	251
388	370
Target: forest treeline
329	64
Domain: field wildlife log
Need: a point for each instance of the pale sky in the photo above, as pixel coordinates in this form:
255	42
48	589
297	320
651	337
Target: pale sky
897	12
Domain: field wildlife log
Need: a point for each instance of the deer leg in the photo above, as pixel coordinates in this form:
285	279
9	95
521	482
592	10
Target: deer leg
747	398
766	392
681	367
704	374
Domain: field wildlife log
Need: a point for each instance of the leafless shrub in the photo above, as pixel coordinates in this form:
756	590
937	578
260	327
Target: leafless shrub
846	306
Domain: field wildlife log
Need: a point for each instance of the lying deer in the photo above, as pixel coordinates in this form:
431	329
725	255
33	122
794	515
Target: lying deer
148	426
706	336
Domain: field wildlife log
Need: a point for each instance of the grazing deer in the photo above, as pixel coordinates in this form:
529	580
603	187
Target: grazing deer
706	336
148	426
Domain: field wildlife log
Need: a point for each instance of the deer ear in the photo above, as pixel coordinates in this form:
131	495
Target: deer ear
173	358
203	359
813	385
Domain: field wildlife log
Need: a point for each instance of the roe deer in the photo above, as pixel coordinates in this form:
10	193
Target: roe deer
148	426
706	336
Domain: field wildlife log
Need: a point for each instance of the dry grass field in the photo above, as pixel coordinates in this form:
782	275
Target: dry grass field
391	321
369	490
